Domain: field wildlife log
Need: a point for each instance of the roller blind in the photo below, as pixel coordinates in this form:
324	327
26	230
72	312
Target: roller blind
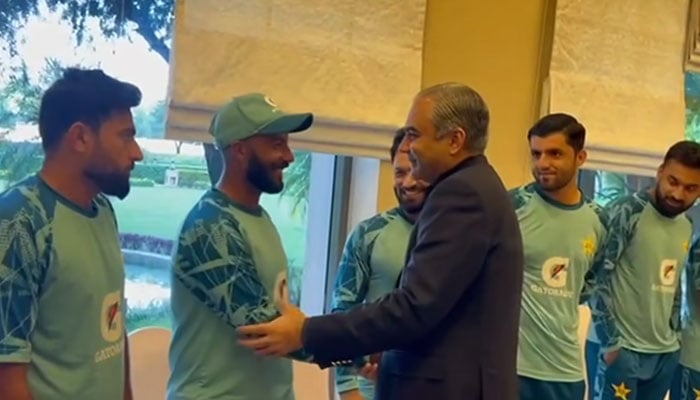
618	66
355	65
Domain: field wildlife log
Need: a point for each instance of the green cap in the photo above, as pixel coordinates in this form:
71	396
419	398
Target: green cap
254	114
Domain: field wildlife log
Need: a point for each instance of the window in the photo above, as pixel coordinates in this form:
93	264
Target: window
605	186
173	174
692	121
692	106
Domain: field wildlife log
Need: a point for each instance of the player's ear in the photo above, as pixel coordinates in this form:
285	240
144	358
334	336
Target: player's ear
581	157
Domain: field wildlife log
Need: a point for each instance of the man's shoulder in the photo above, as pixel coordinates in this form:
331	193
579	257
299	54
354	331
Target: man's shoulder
210	228
479	182
28	202
103	202
383	218
479	177
478	169
26	216
210	218
371	226
627	206
522	195
210	209
597	211
475	190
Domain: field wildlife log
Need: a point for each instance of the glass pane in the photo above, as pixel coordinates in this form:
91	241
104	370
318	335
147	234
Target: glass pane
692	106
607	186
165	186
288	210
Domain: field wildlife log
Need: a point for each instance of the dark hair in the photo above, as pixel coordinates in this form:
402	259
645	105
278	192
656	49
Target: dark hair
398	138
560	123
82	95
685	152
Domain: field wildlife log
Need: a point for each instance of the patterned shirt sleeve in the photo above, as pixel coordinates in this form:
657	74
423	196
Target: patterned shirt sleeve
695	272
352	281
676	320
623	215
696	265
676	313
590	283
21	273
351	285
692	271
215	263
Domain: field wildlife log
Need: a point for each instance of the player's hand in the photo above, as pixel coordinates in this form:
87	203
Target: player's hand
611	356
278	337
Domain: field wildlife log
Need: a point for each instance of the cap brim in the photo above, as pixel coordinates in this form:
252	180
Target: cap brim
288	123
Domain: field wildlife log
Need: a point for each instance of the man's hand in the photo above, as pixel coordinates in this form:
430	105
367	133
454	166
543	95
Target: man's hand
279	337
13	382
611	356
369	371
352	395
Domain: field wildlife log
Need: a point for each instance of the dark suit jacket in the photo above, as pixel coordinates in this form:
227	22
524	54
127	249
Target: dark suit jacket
452	324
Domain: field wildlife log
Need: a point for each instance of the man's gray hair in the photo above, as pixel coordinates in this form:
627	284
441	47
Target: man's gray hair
458	106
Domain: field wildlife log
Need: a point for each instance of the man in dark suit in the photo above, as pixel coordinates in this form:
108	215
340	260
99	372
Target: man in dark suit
450	330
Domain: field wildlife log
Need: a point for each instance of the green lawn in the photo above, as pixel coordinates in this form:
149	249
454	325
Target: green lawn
161	322
159	211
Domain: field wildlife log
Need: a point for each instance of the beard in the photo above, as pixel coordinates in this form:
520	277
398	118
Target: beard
552	183
110	183
666	208
260	176
408	206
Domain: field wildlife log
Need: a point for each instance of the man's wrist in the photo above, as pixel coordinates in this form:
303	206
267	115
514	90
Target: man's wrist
612	347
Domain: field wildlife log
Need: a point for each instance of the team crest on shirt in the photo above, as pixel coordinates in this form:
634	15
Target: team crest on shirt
589	246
